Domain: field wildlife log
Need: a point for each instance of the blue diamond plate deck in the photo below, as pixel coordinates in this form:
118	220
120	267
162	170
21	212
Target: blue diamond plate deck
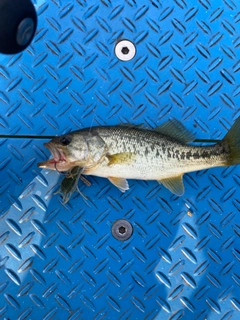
60	261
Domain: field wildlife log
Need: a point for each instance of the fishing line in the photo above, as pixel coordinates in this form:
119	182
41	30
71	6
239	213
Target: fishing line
22	136
11	136
94	112
207	140
55	166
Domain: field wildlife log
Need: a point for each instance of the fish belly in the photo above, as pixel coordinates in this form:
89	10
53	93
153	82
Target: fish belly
152	170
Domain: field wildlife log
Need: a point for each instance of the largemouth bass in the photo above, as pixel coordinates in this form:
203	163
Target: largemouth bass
128	152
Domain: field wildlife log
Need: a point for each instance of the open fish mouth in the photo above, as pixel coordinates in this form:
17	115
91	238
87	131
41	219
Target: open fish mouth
58	155
57	162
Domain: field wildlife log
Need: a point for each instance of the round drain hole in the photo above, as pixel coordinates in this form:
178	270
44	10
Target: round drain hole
122	230
125	50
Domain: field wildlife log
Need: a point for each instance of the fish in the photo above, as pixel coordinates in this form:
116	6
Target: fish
124	152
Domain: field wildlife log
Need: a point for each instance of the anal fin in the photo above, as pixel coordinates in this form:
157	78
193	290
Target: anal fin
120	183
174	184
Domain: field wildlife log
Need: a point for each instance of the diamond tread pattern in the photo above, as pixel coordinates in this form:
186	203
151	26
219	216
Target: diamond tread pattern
60	261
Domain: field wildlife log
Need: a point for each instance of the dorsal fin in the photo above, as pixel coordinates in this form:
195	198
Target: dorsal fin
176	130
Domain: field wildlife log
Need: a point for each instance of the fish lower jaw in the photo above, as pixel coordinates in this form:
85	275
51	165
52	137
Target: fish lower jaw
55	164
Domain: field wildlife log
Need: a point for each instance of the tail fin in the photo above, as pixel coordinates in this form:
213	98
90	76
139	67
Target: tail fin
233	140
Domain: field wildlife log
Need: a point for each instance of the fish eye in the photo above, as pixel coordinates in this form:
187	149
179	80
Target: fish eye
65	140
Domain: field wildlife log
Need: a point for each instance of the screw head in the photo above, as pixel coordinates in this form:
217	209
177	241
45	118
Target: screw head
122	230
125	50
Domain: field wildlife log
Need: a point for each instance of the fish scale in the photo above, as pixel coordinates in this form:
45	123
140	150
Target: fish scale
147	165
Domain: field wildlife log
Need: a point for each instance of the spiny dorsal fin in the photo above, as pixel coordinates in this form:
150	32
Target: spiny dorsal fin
120	183
174	184
175	129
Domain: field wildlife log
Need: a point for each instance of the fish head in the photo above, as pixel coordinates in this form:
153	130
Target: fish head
81	148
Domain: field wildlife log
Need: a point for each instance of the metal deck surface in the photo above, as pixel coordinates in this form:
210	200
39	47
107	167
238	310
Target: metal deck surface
61	261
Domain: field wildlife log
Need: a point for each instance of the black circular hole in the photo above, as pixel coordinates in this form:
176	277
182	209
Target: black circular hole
122	230
125	50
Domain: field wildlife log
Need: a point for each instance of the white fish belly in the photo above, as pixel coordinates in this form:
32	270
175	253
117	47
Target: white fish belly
146	170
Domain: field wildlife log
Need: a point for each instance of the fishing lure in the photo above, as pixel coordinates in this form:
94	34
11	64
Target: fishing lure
70	184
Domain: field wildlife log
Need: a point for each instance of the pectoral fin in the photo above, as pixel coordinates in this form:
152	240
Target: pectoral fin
120	183
120	158
174	184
